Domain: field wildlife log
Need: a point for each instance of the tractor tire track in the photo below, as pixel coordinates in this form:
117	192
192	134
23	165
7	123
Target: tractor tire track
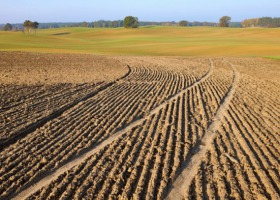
189	168
48	177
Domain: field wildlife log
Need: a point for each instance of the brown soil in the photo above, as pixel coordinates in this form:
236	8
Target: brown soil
38	68
37	87
132	139
243	161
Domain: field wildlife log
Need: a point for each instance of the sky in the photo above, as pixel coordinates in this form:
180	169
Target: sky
17	11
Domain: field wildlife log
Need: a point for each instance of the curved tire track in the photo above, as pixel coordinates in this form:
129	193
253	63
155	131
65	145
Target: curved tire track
48	177
189	168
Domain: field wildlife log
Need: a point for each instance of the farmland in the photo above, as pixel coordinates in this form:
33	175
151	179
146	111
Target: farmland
35	88
151	40
81	126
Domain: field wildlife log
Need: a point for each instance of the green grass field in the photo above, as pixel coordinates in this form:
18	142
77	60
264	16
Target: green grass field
273	57
169	41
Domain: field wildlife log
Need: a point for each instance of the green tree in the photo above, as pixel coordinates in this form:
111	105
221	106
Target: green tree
28	25
113	24
224	21
7	27
84	24
131	22
120	23
183	23
35	26
265	21
96	24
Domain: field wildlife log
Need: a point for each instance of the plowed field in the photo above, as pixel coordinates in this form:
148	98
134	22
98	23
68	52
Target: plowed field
139	128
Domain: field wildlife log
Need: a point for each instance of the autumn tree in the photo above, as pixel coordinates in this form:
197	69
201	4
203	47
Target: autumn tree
224	21
267	22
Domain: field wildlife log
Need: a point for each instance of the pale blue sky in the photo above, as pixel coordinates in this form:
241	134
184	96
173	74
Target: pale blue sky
16	11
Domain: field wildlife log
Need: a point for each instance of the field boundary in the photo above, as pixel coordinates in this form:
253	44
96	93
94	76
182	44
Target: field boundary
188	170
48	177
41	122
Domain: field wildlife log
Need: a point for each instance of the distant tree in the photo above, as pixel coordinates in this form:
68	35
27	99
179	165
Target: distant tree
276	22
120	23
131	22
35	26
30	25
96	24
7	27
250	22
183	23
84	24
224	21
267	22
113	24
195	23
235	24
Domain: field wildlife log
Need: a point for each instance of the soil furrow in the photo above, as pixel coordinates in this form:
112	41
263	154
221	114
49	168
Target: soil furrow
190	167
46	178
32	127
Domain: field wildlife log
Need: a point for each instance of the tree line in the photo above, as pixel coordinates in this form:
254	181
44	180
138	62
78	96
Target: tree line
127	22
133	22
267	22
98	24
